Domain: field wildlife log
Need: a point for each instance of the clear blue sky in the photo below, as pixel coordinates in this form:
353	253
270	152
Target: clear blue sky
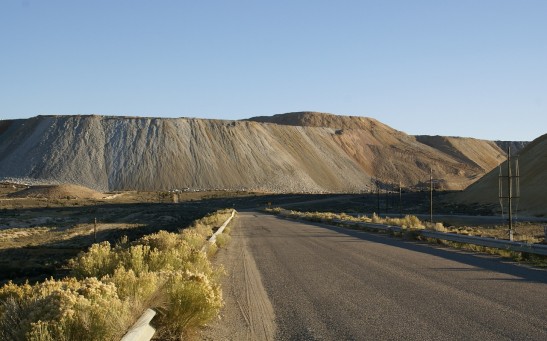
441	67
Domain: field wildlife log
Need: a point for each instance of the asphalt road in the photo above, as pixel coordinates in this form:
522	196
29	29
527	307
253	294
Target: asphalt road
329	283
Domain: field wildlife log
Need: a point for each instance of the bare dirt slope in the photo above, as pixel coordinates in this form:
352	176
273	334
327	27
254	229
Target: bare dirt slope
58	192
300	152
113	153
533	187
392	156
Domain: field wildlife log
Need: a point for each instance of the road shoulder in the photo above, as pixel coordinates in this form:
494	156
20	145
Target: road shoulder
248	313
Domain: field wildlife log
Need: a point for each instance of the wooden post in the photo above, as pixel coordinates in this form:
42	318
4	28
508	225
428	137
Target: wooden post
95	230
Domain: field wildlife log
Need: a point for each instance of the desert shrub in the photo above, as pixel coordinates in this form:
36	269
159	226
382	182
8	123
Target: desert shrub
210	249
194	239
408	221
161	240
98	261
411	221
135	258
212	220
112	286
66	310
275	210
440	227
375	219
222	240
136	288
192	300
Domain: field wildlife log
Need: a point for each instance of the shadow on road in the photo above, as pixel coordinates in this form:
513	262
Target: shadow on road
483	261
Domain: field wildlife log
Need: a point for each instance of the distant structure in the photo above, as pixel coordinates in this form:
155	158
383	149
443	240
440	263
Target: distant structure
511	196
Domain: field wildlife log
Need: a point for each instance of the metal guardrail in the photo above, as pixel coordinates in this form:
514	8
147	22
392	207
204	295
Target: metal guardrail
221	228
488	242
537	249
142	330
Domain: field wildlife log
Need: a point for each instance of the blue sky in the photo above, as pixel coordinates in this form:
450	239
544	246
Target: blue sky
473	68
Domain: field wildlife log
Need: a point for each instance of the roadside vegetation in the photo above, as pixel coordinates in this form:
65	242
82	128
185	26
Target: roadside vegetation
111	285
529	233
408	221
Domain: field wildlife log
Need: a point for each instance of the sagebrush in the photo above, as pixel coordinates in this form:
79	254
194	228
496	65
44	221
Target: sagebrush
111	285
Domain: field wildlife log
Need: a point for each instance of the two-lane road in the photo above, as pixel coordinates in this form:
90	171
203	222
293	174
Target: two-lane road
328	283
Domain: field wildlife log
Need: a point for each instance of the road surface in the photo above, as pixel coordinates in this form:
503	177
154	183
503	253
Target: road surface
292	280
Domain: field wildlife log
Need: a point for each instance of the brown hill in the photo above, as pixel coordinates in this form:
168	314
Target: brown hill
392	156
533	187
296	152
65	191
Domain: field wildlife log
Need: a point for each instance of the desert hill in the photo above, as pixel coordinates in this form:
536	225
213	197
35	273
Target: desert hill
63	191
533	188
393	156
296	152
115	153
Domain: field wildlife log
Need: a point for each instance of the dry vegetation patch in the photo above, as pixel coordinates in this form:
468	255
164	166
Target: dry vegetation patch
111	285
65	191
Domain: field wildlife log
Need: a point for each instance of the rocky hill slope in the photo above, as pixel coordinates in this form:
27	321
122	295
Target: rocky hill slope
310	152
392	156
533	187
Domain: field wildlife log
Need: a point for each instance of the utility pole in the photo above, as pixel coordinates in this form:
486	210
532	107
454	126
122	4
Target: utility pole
378	195
400	201
387	201
510	195
431	195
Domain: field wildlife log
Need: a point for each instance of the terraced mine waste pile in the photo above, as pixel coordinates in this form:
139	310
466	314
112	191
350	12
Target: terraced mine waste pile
533	187
289	153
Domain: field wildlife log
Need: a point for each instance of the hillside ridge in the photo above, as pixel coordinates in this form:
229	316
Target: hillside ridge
295	152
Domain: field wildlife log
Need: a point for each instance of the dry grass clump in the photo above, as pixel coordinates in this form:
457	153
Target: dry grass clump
408	221
223	239
112	285
68	309
193	300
